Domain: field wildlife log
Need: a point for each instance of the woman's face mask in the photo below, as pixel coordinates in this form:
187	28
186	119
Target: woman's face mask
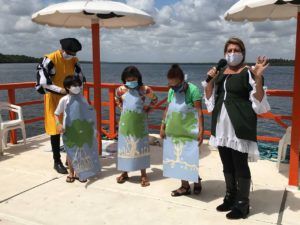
234	58
67	56
132	84
75	90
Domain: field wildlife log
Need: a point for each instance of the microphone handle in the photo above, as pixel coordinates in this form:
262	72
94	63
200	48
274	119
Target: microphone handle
209	78
218	68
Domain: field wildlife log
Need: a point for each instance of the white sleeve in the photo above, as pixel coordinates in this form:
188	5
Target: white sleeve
210	103
262	106
45	73
60	107
52	87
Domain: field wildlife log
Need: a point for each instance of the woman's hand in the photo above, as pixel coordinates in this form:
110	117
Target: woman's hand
63	91
260	66
212	72
258	70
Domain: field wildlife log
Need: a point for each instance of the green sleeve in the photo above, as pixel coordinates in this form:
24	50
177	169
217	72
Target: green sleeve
170	95
195	92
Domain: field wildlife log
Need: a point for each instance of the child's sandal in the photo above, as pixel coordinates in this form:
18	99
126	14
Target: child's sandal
121	179
70	179
145	182
181	191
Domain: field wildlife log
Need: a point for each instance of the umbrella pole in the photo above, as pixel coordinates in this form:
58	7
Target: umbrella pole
97	79
295	136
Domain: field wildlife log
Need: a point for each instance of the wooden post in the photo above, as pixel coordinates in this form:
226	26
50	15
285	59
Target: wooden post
97	78
112	113
295	142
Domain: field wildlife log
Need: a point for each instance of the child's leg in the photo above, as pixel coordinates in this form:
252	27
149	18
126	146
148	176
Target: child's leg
71	176
144	178
185	184
143	173
71	169
198	186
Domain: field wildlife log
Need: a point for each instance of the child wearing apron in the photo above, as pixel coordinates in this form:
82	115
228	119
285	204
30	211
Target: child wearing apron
133	143
182	130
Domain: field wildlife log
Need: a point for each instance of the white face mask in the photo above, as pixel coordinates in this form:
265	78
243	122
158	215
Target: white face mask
75	90
234	59
67	56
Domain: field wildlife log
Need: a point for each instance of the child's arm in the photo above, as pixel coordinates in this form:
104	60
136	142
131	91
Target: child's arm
59	110
59	126
152	96
197	105
163	124
118	97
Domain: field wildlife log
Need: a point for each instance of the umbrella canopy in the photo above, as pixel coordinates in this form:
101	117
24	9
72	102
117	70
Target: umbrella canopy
80	14
259	10
93	14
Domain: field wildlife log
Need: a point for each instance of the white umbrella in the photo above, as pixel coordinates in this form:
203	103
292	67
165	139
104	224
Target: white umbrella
259	10
93	14
80	14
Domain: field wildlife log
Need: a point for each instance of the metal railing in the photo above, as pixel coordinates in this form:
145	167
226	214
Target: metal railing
109	125
111	121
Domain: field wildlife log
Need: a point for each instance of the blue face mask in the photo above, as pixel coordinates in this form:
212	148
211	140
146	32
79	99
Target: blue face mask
177	88
132	84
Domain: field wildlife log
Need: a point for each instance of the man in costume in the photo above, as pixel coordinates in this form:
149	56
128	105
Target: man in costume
50	76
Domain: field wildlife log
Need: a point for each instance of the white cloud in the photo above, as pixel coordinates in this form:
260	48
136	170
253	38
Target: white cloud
19	7
146	5
187	31
24	24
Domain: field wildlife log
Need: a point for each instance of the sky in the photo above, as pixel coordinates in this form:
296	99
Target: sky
185	31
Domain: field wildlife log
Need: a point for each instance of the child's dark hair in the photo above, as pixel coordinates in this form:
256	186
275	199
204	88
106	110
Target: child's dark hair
71	80
132	71
175	72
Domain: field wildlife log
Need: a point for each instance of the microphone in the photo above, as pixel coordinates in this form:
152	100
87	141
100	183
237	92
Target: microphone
222	63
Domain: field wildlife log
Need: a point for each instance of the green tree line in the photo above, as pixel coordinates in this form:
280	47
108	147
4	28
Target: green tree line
18	59
281	62
28	59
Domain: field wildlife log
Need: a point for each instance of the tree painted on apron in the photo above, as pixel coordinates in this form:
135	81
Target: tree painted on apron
132	127
79	133
180	128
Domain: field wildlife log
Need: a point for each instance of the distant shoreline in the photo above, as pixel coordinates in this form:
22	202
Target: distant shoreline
9	59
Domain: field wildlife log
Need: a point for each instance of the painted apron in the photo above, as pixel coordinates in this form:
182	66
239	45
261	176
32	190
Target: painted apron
133	143
180	149
80	137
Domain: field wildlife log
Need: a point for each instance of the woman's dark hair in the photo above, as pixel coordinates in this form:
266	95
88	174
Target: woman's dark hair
236	41
132	71
175	72
71	80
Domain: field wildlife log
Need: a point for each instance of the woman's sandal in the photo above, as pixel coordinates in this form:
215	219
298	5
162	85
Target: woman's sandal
122	178
144	181
70	179
181	191
198	187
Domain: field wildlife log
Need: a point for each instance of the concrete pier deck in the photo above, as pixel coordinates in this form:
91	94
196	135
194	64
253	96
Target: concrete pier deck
32	193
